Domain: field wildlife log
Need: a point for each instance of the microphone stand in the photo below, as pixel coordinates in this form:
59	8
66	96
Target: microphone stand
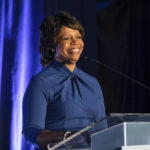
116	71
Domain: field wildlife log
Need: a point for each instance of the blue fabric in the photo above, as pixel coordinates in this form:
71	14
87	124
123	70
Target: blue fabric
59	100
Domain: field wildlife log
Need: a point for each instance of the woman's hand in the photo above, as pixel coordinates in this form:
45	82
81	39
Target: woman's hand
45	137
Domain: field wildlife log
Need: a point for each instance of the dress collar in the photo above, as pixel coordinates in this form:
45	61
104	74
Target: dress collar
63	68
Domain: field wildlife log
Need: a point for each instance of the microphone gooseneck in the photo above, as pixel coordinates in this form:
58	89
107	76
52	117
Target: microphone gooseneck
116	71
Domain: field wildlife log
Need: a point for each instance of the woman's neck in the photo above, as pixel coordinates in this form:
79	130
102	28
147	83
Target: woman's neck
71	67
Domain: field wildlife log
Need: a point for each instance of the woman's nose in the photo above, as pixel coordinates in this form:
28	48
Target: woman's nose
73	40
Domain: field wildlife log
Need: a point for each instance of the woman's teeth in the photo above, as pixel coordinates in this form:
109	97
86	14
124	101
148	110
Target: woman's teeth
75	50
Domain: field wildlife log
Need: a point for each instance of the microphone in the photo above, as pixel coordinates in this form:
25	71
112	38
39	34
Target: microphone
76	134
86	58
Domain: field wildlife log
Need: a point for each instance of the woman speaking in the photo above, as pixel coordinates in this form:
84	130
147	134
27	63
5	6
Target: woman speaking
61	99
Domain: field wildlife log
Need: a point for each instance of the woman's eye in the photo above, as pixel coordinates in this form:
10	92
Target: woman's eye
79	37
66	38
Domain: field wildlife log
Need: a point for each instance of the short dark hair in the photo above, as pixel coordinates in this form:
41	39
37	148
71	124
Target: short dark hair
50	28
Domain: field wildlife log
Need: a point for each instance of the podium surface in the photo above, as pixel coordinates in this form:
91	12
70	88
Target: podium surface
121	136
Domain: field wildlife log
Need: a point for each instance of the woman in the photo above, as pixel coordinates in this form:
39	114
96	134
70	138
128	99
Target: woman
61	97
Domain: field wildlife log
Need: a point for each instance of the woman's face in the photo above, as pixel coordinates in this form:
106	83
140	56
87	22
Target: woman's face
69	45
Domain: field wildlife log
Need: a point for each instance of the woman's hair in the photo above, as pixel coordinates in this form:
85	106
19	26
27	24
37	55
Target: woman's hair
50	28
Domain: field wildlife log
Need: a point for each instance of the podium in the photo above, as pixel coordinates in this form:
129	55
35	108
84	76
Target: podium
124	136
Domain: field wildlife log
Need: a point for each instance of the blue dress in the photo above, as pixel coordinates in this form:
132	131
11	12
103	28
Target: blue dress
60	100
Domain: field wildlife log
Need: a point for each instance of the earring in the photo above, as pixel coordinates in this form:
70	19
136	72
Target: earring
52	50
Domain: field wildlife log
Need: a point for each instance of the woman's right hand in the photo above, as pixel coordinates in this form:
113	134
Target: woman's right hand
46	136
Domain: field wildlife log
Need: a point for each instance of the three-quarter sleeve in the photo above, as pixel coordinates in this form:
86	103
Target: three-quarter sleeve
34	109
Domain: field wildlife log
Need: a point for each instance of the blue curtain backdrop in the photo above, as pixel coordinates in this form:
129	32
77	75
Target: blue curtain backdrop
19	60
123	29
